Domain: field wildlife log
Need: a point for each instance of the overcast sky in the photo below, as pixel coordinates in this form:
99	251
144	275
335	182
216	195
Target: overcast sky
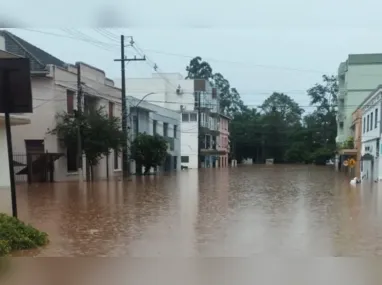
258	48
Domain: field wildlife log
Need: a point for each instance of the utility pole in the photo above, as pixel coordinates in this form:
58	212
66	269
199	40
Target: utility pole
199	133
79	113
123	59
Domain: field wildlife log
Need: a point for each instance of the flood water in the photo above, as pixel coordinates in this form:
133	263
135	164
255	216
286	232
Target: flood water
240	212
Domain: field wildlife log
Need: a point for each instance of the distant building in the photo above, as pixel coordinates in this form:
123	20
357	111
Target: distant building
174	92
223	140
155	120
359	75
371	107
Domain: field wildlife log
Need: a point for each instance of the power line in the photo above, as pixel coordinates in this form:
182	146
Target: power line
69	37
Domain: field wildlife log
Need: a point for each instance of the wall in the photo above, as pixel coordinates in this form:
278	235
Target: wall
224	135
369	108
164	86
189	143
5	192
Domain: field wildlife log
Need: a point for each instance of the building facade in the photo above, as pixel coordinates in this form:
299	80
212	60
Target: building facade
223	141
371	168
144	117
357	136
359	75
189	97
54	88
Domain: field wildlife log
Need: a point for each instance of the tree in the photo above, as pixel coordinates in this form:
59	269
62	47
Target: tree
100	133
198	69
288	110
149	151
324	98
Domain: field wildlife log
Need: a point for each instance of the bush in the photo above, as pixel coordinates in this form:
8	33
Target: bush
4	248
15	235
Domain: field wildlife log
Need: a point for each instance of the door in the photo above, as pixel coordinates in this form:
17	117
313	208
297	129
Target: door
35	150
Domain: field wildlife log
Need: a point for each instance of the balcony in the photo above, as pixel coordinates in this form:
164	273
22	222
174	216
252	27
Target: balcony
210	128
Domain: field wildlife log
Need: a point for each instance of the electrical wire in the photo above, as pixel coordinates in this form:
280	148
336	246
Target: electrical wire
68	37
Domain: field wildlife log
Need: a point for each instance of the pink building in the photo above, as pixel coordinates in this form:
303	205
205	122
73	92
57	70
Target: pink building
223	140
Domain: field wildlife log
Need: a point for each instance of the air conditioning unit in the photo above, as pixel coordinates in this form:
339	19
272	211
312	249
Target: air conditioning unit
179	90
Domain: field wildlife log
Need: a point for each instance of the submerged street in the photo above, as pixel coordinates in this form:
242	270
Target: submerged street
232	212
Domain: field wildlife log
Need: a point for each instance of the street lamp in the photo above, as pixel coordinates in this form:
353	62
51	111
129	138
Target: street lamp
144	97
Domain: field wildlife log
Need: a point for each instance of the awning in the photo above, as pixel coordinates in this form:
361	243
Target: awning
367	156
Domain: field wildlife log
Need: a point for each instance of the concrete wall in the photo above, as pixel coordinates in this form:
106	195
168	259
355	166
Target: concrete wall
189	143
357	81
5	191
49	98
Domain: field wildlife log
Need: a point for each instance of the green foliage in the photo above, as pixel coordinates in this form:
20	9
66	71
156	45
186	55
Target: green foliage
321	155
4	248
149	151
15	235
348	144
100	133
199	69
297	152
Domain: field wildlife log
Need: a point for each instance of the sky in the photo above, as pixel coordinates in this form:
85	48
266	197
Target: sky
260	47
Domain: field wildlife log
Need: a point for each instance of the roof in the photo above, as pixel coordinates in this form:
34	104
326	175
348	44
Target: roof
38	57
367	58
225	116
372	93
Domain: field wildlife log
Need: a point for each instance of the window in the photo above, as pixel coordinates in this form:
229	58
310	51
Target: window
69	101
111	109
135	125
71	158
371	121
214	93
193	117
364	125
185	117
165	129
155	123
116	160
376	118
175	130
184	159
368	123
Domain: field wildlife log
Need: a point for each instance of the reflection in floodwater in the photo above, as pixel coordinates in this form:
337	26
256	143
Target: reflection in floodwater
244	211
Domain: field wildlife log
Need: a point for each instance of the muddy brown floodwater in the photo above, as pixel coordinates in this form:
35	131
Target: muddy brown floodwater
240	212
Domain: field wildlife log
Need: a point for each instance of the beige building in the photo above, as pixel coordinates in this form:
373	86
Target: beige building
54	86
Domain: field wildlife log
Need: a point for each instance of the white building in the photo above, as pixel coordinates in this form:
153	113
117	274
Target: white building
371	165
174	92
155	120
54	86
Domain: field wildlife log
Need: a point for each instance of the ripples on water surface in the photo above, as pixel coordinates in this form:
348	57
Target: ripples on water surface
244	211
